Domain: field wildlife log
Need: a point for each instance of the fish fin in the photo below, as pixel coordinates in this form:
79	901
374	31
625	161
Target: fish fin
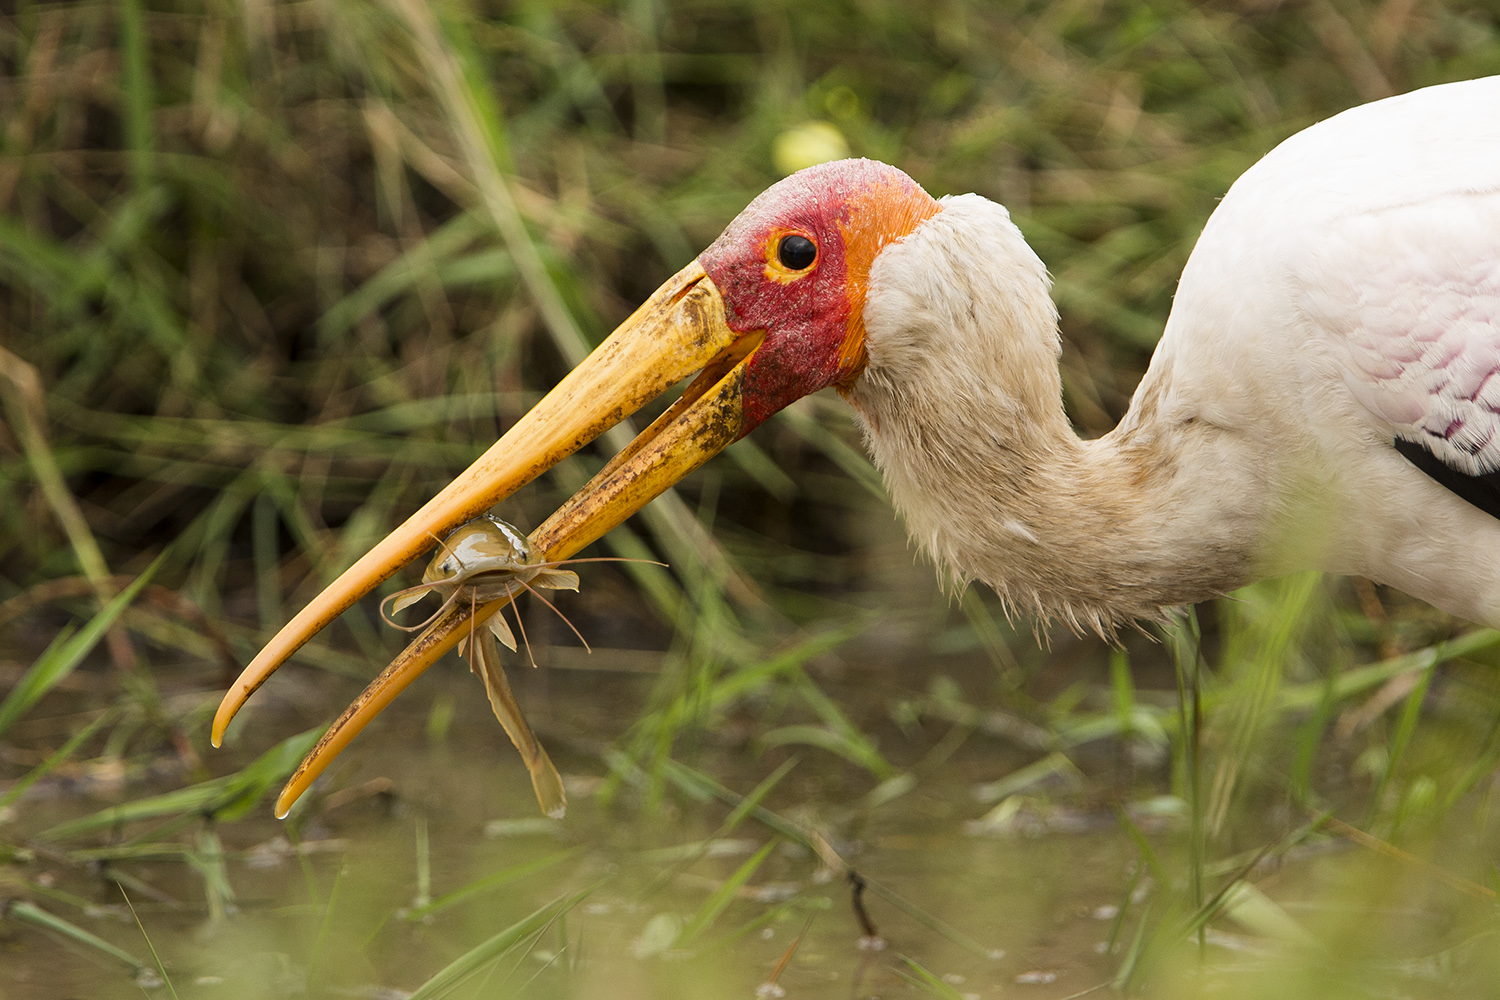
547	784
557	579
501	630
407	600
545	780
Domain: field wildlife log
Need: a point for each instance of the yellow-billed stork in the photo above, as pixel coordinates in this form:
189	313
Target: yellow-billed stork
1326	394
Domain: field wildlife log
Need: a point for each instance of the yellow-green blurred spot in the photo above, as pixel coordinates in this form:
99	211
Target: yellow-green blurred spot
807	145
842	102
440	718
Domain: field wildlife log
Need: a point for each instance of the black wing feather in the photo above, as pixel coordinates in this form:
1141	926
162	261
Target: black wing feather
1483	491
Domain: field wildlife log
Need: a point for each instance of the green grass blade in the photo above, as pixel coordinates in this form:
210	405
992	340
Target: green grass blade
489	883
721	897
136	87
30	913
1400	739
850	459
26	407
771	914
1055	764
494	947
1351	682
161	969
851	737
1184	640
702	787
208	858
1123	687
249	786
400	276
1130	963
928	920
855	750
761	467
692	853
926	981
63	656
757	795
190	799
227	798
58	756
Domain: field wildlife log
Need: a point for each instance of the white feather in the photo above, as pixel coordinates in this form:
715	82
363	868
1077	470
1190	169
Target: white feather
1346	292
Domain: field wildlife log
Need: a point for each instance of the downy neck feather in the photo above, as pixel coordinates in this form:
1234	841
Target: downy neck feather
961	404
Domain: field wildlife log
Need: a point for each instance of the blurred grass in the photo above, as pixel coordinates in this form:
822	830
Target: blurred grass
270	273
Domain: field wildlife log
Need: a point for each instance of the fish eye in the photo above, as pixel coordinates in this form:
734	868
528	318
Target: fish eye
796	253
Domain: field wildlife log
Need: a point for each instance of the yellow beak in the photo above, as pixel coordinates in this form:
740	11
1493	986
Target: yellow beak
681	329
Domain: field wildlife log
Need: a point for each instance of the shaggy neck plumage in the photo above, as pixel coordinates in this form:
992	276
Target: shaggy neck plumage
962	407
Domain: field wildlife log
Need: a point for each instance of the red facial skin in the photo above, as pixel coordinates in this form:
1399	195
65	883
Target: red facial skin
850	209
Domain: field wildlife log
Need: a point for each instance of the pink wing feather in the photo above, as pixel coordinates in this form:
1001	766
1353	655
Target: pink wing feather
1410	298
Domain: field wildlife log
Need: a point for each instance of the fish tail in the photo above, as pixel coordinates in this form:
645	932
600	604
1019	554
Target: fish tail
544	777
547	784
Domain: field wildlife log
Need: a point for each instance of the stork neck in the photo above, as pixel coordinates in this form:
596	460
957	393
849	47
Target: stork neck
962	408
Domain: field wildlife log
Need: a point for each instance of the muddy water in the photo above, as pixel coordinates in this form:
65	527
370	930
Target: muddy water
323	906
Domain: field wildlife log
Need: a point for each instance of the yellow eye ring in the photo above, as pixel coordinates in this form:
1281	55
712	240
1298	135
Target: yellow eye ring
790	255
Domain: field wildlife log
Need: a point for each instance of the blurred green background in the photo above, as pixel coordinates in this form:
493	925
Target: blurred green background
271	273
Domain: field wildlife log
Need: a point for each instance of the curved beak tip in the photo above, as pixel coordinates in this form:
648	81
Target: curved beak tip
681	329
222	719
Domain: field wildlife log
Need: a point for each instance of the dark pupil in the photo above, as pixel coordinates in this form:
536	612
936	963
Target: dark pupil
797	252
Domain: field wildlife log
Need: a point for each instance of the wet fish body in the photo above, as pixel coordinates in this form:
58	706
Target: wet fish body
484	660
482	561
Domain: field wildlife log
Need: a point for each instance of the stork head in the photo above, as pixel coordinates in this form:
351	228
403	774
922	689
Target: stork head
771	312
795	265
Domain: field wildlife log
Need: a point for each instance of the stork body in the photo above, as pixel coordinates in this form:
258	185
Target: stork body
1345	294
1326	394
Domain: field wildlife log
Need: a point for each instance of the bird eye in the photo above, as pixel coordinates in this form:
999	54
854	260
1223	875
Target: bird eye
797	253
